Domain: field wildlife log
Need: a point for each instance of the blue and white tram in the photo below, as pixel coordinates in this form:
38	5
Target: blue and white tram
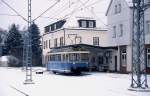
68	62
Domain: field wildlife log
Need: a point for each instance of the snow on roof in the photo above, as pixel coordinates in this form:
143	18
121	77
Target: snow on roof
83	10
72	20
85	14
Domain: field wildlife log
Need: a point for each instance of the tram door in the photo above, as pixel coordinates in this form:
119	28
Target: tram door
100	63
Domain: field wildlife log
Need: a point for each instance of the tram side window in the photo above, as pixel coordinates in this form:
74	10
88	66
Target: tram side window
77	57
74	57
71	57
84	57
63	57
67	57
52	58
58	57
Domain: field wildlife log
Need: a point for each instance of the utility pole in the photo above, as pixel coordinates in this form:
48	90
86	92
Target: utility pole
27	49
139	75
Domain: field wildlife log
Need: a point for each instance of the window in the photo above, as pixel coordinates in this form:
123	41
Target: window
100	60
93	59
50	28
115	9
91	24
148	26
44	45
87	23
85	57
148	57
114	32
49	43
121	30
55	42
96	41
119	8
55	26
123	57
74	57
78	40
83	24
47	29
61	41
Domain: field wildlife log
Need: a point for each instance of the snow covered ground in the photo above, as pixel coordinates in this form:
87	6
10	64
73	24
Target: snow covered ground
47	84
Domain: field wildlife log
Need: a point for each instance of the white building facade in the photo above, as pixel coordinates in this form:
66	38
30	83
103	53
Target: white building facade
71	31
120	16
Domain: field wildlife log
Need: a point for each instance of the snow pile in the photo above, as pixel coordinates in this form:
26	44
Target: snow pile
3	61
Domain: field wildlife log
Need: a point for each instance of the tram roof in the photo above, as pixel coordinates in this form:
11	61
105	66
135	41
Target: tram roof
70	52
82	47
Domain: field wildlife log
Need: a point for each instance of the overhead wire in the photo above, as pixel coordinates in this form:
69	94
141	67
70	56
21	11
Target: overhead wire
1	14
40	16
72	12
14	10
46	10
63	8
94	3
9	15
18	14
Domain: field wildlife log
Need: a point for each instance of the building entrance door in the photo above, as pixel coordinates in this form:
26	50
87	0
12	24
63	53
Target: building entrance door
148	60
123	59
115	63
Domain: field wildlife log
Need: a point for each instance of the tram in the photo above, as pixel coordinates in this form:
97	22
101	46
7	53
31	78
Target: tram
68	62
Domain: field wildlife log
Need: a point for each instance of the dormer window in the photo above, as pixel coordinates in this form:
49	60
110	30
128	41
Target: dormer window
91	24
87	23
55	26
83	24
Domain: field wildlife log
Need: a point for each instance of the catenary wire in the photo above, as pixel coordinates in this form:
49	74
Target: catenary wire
46	10
14	10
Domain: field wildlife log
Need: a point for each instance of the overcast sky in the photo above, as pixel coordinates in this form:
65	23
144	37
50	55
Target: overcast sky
60	10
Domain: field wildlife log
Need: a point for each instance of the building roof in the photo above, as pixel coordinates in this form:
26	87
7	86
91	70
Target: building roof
129	3
71	21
